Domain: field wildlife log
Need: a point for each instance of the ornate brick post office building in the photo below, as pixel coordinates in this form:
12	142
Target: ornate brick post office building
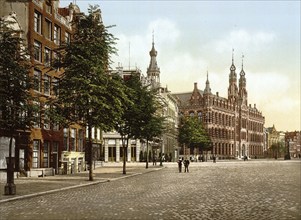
236	129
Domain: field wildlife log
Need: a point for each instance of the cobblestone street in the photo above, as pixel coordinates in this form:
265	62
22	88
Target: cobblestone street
223	190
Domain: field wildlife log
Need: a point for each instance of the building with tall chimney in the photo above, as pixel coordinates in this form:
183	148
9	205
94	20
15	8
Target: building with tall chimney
236	129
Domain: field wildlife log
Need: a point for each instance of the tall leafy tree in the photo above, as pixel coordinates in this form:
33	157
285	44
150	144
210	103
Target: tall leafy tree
154	123
88	95
193	134
15	84
139	120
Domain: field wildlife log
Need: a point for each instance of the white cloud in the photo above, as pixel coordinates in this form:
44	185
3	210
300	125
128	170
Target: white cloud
134	49
244	40
165	31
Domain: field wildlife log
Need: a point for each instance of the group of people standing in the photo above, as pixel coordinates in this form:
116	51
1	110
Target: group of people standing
186	165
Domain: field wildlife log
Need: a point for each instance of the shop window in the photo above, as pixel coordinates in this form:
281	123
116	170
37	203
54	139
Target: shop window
80	140
35	154
66	139
72	139
46	154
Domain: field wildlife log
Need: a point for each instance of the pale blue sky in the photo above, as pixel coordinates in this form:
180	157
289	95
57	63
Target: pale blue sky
192	37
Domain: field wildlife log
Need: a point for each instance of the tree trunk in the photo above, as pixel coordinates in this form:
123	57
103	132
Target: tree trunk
146	154
90	157
10	187
125	147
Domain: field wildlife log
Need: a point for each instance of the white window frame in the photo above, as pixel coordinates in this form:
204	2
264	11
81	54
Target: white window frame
38	22
37	80
57	34
47	56
48	33
36	154
46	147
37	51
47	85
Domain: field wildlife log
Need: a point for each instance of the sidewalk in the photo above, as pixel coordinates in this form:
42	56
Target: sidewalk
29	187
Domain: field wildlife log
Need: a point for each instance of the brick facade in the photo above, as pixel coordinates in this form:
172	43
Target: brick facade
236	129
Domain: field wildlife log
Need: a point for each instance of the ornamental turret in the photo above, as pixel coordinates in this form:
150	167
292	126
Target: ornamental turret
153	71
232	89
243	94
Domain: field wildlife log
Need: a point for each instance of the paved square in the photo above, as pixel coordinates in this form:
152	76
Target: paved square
224	190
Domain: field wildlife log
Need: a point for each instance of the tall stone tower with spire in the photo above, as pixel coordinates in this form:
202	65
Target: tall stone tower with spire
242	93
153	71
236	129
232	89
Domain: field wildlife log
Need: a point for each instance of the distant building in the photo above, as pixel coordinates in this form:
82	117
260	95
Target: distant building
110	149
236	129
169	144
293	143
275	142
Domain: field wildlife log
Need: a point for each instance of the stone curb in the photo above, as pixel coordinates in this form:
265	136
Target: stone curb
73	187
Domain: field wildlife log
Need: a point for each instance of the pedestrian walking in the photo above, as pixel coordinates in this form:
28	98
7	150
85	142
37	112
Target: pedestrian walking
154	160
186	165
180	165
214	159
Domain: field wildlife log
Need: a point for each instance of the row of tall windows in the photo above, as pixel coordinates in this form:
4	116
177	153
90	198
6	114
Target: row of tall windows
41	119
215	118
41	154
255	126
73	139
45	56
45	28
45	84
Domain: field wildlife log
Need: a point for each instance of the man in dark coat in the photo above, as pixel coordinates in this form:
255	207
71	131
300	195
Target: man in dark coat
180	165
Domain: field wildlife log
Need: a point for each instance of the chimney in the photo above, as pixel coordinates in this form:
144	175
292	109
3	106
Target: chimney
217	94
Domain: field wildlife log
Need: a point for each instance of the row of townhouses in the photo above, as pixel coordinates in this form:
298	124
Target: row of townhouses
235	127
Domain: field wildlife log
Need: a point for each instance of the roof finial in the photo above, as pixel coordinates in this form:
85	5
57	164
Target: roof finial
232	55
153	37
242	61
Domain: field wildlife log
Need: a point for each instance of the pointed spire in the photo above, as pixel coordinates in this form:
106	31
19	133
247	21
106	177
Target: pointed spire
153	37
153	71
207	89
153	52
242	72
242	61
232	68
